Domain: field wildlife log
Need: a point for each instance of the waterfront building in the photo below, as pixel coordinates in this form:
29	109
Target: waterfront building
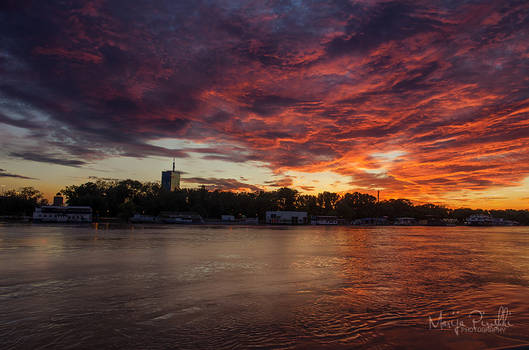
250	221
230	218
405	221
324	220
504	222
371	221
450	222
168	217
140	218
486	220
286	217
171	179
54	213
479	220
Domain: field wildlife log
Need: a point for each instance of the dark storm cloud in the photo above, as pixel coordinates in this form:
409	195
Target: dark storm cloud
384	22
307	86
20	123
42	158
4	173
416	79
103	178
267	104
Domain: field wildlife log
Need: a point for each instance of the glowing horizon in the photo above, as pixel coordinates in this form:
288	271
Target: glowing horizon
427	101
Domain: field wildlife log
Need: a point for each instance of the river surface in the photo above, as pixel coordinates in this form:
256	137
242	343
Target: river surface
224	287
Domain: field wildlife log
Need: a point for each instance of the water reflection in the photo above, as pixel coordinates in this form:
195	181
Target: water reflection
238	287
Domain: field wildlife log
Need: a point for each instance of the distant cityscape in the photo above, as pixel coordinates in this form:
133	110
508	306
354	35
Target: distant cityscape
168	203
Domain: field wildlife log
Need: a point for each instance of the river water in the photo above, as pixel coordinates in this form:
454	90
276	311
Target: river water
224	287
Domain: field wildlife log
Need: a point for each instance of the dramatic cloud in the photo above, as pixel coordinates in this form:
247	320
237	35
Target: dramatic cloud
4	173
221	184
422	97
284	182
42	158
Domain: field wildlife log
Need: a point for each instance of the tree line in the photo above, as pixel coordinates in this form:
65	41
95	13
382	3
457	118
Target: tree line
21	202
125	198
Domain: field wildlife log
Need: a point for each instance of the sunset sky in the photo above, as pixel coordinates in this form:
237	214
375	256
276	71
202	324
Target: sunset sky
427	100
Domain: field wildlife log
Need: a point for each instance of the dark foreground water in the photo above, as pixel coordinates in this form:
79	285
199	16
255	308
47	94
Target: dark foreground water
263	287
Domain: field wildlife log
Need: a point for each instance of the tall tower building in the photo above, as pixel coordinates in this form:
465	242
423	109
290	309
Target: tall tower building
58	200
171	179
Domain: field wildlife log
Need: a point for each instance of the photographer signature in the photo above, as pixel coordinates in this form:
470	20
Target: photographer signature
475	322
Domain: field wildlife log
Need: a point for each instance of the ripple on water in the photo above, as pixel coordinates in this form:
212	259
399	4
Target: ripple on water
304	287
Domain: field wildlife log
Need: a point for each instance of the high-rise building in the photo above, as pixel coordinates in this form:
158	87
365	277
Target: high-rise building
171	179
58	200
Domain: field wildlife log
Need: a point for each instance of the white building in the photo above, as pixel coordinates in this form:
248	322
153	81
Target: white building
169	217
479	220
324	220
54	213
286	217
